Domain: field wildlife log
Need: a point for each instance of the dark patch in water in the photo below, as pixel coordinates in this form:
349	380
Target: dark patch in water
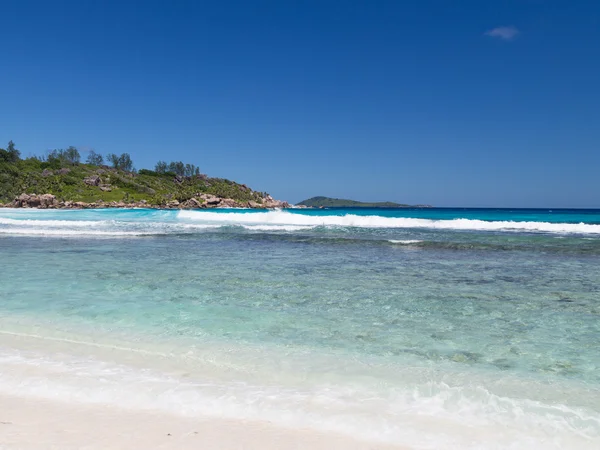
466	357
473	282
440	336
509	279
503	364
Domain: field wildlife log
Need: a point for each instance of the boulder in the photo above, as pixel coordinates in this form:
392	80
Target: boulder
94	180
271	203
228	203
47	173
48	201
35	201
22	201
192	203
63	171
253	204
210	200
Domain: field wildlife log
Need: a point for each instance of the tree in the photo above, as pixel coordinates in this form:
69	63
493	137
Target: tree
125	162
122	162
54	158
11	154
58	157
113	160
95	159
72	156
177	167
160	167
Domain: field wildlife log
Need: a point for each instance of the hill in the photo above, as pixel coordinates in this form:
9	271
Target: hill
70	181
327	202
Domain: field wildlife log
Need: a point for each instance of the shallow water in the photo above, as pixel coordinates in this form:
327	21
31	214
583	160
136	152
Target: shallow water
429	328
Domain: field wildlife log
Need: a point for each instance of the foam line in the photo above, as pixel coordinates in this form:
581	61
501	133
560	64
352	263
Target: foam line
351	220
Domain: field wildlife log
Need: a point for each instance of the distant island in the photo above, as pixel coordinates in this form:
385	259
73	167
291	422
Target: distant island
61	179
328	202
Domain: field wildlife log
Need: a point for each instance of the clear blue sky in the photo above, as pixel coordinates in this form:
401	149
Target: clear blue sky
452	103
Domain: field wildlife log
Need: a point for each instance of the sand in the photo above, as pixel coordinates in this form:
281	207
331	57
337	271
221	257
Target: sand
30	423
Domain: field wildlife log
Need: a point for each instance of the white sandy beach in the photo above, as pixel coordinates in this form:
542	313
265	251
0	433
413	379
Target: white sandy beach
27	423
59	420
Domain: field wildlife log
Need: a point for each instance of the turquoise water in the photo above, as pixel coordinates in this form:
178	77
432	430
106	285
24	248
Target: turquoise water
431	328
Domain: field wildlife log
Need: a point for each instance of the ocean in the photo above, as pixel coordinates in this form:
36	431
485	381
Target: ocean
429	328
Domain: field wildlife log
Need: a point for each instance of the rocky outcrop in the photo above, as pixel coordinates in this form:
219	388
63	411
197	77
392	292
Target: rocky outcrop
200	201
192	203
270	202
210	200
43	201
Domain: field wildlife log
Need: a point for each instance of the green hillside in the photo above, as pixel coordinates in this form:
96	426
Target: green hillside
327	202
62	174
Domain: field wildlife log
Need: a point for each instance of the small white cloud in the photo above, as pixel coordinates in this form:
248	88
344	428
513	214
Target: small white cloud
504	33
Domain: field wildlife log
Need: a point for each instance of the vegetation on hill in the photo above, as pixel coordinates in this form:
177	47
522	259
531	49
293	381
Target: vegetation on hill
111	179
327	202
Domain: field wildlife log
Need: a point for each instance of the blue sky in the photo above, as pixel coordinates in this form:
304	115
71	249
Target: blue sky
452	103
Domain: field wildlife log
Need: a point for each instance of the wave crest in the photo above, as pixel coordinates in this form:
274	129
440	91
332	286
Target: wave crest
285	218
142	222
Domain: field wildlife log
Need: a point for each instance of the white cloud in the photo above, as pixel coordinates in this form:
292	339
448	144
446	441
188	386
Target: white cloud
504	33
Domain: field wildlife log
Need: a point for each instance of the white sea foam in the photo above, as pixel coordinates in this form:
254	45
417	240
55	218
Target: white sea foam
404	241
278	227
132	223
107	228
431	414
49	232
351	220
54	223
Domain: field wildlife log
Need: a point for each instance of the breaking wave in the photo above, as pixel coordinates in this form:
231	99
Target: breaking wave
152	222
285	218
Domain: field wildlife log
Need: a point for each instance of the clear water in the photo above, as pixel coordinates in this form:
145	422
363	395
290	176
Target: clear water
437	328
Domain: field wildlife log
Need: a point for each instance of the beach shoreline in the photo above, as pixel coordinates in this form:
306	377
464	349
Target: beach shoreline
455	329
32	423
36	412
